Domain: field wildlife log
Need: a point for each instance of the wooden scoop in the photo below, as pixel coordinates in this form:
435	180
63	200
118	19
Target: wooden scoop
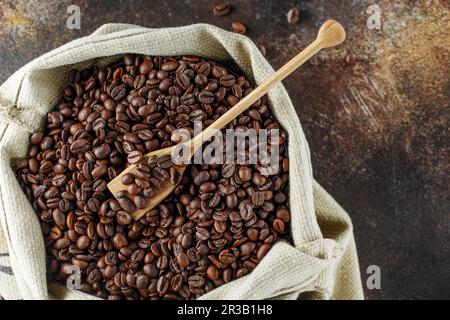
330	34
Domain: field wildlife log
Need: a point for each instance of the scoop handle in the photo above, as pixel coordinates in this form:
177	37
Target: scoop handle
330	34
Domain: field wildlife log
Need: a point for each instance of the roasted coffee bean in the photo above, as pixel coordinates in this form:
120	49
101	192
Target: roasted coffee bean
127	204
162	285
80	146
99	171
246	210
196	281
164	162
37	137
134	156
202	234
278	225
127	178
258	199
262	251
160	174
139	202
228	255
102	151
206	96
212	272
228	171
216	225
83	242
169	65
227	80
283	215
247	248
293	16
174	175
183	80
120	241
245	173
142	281
118	92
238	27
222	9
183	260
177	282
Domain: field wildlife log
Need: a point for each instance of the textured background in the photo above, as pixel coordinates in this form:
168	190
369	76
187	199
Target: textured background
378	128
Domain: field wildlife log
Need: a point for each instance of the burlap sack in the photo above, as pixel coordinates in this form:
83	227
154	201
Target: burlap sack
322	261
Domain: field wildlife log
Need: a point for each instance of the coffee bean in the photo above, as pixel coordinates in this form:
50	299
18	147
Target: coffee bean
228	171
99	171
283	215
118	92
127	178
62	243
139	202
201	177
262	251
228	256
183	80
207	187
127	205
202	234
258	199
80	146
227	80
247	248
37	137
162	285
186	240
160	173
206	97
246	210
220	216
142	281
169	65
212	272
278	225
120	241
238	27
231	201
293	16
83	242
134	156
196	281
174	175
164	162
222	9
102	151
245	173
183	260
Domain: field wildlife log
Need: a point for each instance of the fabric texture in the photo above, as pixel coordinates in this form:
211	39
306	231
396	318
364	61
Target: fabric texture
320	263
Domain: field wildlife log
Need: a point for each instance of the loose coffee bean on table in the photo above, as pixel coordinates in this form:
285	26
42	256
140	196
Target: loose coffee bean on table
222	9
293	16
238	27
217	224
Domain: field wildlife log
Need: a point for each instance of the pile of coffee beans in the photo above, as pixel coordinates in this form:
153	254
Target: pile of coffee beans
216	226
146	182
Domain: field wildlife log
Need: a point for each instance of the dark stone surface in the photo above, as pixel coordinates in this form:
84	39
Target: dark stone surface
377	129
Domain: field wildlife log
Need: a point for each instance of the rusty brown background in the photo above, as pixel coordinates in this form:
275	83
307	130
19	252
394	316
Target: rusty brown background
378	128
